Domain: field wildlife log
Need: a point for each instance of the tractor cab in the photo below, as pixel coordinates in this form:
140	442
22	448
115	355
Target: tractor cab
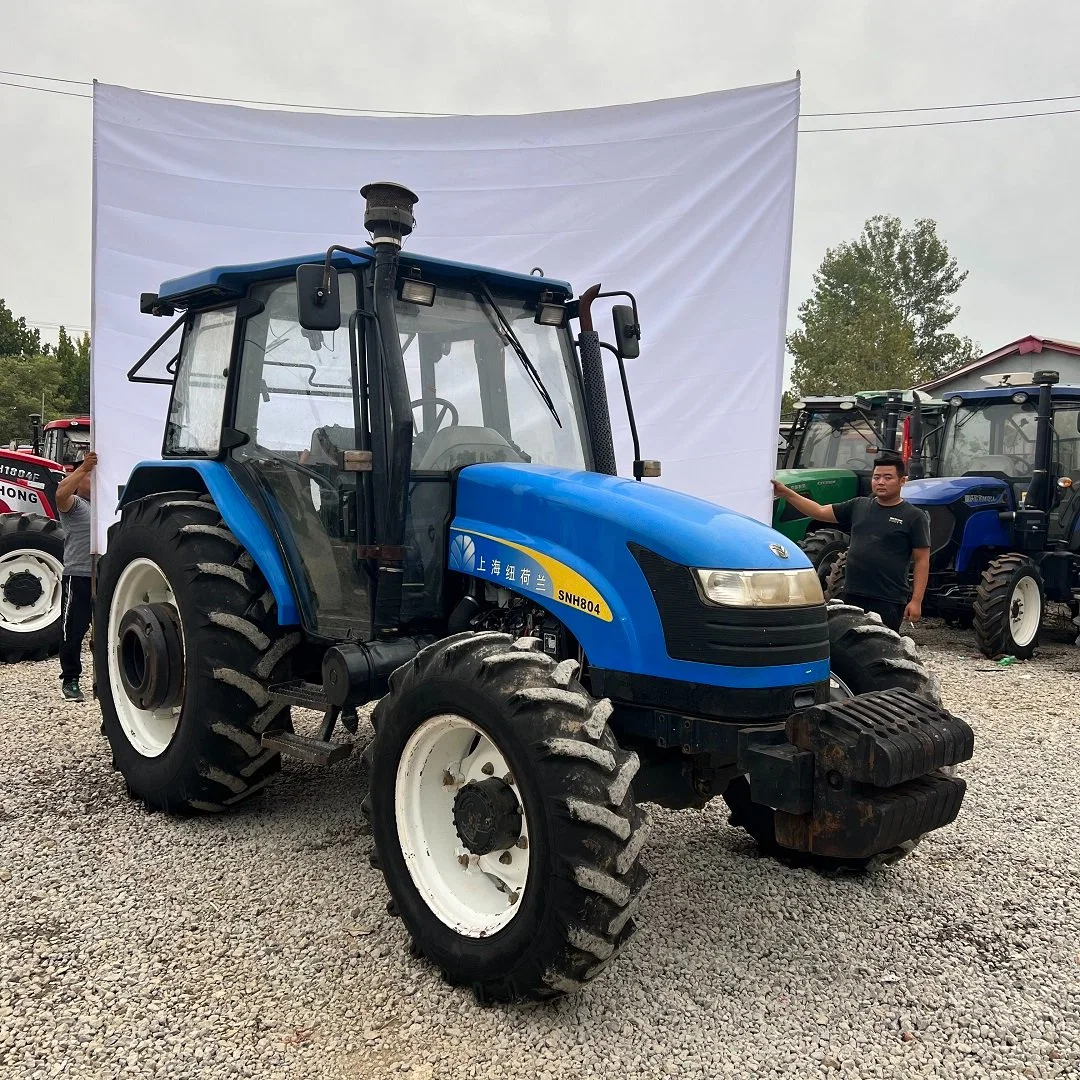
830	457
313	442
1010	468
66	442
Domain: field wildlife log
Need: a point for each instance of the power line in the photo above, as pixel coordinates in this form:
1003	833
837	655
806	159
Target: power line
55	325
207	97
804	131
43	89
941	123
945	108
404	112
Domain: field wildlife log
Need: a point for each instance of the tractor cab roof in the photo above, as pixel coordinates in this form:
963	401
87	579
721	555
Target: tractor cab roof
220	284
991	394
70	422
862	399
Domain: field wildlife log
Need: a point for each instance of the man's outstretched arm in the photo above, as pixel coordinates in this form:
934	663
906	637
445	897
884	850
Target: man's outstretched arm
804	505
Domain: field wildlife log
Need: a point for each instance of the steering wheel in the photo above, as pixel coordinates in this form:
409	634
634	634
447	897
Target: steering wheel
445	408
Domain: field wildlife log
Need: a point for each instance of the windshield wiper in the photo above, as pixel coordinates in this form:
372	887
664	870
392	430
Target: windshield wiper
503	327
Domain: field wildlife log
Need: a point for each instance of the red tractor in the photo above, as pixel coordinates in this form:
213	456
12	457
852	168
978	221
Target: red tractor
32	539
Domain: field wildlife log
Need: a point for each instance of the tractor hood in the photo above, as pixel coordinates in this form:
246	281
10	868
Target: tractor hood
587	513
974	491
576	543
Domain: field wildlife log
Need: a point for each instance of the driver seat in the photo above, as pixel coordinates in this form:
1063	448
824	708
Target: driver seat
454	447
329	442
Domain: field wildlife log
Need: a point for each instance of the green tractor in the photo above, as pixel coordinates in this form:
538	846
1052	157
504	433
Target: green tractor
830	455
391	478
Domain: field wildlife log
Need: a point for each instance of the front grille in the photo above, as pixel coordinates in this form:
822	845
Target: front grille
942	524
736	637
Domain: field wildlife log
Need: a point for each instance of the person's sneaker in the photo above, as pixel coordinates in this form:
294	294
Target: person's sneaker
72	691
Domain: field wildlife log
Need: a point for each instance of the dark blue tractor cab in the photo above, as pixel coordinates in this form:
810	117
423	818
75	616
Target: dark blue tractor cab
391	478
1005	511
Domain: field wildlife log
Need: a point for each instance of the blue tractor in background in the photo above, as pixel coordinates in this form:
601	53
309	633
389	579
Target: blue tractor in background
391	478
1005	512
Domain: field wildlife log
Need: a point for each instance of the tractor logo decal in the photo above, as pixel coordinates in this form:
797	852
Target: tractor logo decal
975	499
16	499
779	550
526	571
463	554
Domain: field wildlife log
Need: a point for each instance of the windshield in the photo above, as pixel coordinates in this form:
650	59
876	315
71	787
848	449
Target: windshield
983	437
473	397
1000	437
836	440
75	445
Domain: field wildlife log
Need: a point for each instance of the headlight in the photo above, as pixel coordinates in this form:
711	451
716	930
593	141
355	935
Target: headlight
762	588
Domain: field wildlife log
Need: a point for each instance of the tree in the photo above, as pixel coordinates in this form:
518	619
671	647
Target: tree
74	357
879	314
36	378
18	339
24	380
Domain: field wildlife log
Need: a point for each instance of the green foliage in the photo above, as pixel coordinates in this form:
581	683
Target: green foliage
74	357
31	369
18	339
879	314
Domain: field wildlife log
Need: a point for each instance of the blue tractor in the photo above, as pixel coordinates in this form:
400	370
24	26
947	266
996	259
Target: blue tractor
391	478
1005	512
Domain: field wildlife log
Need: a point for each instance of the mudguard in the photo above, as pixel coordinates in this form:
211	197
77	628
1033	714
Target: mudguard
563	538
152	477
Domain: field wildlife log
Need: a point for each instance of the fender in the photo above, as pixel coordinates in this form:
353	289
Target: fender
572	533
156	477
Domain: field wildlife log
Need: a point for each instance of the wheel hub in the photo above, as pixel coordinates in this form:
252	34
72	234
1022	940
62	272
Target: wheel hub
23	589
487	816
151	656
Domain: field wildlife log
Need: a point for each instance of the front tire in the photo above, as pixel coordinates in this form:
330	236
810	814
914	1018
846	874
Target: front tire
527	904
823	547
200	748
1009	606
31	584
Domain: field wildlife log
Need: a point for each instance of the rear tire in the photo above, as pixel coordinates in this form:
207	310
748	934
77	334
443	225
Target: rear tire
204	753
836	579
823	547
31	584
1009	607
532	931
865	656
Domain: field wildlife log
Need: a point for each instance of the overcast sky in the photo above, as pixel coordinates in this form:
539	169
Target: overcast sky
1003	193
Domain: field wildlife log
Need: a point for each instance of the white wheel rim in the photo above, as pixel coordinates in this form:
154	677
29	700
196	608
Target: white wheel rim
838	689
475	896
150	731
1025	610
43	612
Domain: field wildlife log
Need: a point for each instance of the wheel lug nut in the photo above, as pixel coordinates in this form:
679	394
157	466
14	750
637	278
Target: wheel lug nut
513	897
463	859
509	779
487	768
523	842
506	858
448	779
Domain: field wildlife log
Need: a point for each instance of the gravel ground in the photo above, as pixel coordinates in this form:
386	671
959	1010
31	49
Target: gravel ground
259	945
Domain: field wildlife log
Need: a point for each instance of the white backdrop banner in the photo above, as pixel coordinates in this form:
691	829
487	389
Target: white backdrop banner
686	202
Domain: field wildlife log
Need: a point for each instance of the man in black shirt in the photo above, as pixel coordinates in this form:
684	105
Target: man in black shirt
887	534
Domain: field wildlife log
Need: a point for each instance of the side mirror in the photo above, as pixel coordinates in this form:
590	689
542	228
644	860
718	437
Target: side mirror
317	308
627	331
